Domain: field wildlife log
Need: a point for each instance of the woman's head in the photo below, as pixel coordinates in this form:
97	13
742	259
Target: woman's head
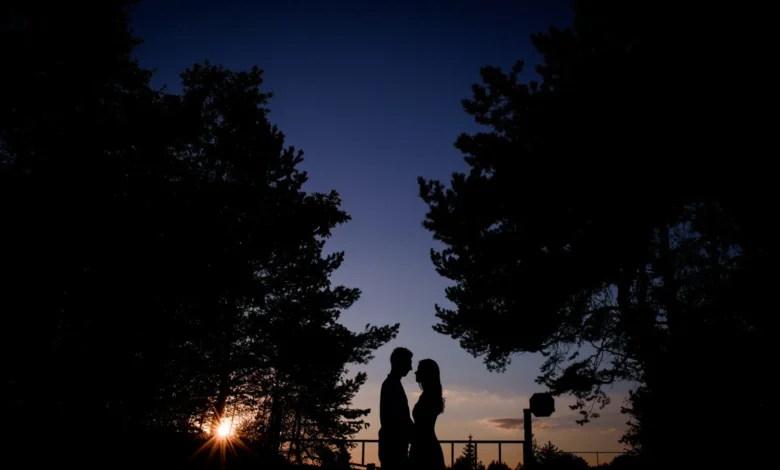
429	378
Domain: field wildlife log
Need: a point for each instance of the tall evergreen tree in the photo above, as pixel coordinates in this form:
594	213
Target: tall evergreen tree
167	266
468	458
270	309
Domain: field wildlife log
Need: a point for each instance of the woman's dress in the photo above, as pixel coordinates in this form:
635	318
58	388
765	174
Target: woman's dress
425	452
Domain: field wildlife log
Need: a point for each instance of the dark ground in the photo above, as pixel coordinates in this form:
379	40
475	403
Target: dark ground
140	451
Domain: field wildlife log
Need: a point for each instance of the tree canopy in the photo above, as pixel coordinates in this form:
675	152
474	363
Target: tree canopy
165	266
575	235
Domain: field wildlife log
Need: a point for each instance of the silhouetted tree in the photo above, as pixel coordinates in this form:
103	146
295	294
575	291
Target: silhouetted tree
495	465
468	458
267	309
550	456
80	129
611	281
166	267
337	457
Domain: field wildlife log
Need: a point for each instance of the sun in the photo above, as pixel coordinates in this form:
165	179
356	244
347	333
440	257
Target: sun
224	429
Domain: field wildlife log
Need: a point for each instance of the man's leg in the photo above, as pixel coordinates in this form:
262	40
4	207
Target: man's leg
393	464
395	458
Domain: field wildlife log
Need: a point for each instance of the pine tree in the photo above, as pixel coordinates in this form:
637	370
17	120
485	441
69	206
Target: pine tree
267	309
468	458
176	262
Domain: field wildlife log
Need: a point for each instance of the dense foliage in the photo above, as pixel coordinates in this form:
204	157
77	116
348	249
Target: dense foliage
164	267
574	230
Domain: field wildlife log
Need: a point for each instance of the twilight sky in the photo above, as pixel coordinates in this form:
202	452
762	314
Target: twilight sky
371	91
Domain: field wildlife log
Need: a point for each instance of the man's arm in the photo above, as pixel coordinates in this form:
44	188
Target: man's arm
408	423
394	409
384	408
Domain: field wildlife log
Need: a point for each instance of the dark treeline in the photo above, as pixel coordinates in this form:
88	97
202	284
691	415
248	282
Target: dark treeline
162	267
546	457
616	219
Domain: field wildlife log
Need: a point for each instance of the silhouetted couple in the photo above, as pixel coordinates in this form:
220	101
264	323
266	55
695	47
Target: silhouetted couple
398	430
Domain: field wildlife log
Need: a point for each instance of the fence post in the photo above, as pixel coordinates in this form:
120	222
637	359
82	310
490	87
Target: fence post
476	459
499	452
452	454
528	453
362	452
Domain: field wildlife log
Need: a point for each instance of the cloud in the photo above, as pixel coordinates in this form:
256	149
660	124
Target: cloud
482	399
517	423
546	425
506	423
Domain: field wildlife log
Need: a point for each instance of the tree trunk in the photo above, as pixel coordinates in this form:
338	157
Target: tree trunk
222	397
291	449
666	263
226	366
298	434
668	389
205	412
275	421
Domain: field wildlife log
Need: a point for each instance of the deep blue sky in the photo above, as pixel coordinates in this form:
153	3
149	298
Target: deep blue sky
371	91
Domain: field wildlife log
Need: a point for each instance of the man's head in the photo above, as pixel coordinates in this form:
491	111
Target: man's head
401	361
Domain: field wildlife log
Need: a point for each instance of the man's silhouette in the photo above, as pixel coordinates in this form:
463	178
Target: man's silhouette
395	432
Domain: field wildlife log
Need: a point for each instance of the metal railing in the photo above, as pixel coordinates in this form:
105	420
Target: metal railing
373	466
452	443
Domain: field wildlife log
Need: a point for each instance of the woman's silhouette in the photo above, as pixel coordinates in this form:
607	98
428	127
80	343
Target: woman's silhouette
425	452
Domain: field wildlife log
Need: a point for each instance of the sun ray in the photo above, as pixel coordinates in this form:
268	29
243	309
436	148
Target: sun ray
222	441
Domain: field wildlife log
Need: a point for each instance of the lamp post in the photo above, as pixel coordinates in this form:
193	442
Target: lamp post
541	405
